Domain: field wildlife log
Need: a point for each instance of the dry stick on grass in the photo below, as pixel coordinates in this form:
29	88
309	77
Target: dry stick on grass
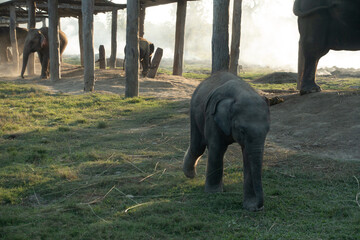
92	210
100	198
358	194
36	196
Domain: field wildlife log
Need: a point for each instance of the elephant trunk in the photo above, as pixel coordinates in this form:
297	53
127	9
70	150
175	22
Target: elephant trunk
253	191
26	54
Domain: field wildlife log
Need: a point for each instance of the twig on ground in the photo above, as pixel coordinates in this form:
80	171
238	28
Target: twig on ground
92	210
135	166
358	194
135	206
148	176
127	196
100	198
36	196
162	173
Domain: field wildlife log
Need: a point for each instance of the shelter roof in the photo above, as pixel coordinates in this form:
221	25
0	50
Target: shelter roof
67	8
150	3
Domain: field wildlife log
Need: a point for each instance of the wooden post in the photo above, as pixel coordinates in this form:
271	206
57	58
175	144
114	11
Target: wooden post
220	37
132	49
112	62
87	8
155	63
80	23
43	22
13	39
142	21
179	37
235	37
102	57
31	24
54	41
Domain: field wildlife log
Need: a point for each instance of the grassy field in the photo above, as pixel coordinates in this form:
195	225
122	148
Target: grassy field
99	166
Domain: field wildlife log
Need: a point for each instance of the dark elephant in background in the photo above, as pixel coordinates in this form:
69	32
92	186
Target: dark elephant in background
37	41
146	50
324	25
224	109
5	43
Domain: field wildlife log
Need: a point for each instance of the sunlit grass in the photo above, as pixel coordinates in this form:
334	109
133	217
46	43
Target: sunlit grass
97	166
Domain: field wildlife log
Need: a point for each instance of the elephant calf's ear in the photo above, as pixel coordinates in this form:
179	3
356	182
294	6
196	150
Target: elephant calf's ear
222	115
44	41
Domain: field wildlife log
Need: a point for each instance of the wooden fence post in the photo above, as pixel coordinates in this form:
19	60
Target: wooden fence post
220	37
112	62
102	58
87	9
13	38
54	41
155	63
179	38
132	49
31	24
235	37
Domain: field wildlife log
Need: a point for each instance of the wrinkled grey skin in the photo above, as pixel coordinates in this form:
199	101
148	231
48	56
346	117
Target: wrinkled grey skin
37	41
324	25
224	109
146	50
5	42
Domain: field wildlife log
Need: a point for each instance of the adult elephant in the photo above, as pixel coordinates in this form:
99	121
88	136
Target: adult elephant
6	43
223	110
37	41
324	25
146	51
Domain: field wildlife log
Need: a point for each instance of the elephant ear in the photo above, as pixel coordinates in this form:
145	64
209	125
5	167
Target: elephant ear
152	48
219	106
44	41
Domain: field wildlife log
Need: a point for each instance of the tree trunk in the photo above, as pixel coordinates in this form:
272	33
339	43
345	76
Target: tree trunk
142	21
54	41
112	62
220	37
31	24
81	41
179	37
235	37
87	8
132	49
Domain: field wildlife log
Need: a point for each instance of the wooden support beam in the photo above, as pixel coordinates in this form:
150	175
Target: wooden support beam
54	41
142	21
31	24
43	22
132	49
235	37
102	57
78	7
80	23
88	44
220	37
179	38
13	39
155	63
112	62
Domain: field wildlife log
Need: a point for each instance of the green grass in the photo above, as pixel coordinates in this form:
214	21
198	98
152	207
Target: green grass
97	166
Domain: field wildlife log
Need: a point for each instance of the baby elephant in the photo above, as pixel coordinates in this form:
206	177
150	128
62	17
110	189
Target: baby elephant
224	109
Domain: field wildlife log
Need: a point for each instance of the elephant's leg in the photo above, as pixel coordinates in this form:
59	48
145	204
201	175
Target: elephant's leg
253	192
214	170
308	84
194	152
45	67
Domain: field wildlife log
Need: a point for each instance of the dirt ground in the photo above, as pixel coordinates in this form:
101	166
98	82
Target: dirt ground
324	124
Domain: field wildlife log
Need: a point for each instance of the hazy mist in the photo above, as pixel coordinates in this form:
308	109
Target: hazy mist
269	34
